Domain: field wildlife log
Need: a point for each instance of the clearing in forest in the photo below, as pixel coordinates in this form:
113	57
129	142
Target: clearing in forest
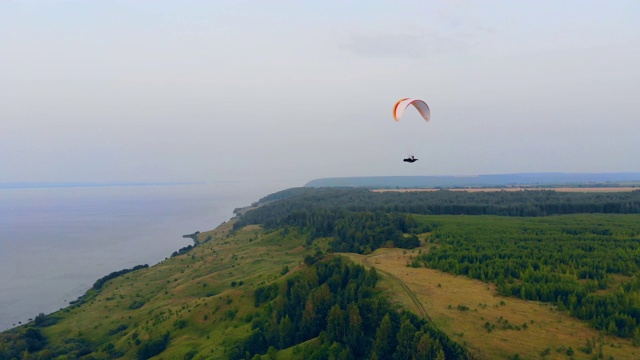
490	325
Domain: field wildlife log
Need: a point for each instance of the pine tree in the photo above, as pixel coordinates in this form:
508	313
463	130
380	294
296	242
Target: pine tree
383	345
406	346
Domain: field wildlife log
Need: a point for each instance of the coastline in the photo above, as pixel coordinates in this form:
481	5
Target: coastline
56	242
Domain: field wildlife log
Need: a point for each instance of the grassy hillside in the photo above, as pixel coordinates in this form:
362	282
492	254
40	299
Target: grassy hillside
202	304
203	298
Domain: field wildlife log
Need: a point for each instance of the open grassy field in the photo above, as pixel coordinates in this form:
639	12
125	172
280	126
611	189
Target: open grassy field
491	326
561	189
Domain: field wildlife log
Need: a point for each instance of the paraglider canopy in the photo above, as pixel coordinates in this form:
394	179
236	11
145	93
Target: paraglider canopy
402	104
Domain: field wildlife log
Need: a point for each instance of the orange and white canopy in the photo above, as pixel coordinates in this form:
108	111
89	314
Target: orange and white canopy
402	104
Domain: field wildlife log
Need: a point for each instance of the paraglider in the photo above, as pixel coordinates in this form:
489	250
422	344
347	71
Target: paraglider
422	107
410	159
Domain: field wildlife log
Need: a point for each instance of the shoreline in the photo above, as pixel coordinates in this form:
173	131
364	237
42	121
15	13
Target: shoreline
83	234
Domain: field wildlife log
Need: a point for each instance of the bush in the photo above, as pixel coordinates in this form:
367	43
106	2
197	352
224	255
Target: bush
136	305
98	284
190	354
152	348
118	329
180	324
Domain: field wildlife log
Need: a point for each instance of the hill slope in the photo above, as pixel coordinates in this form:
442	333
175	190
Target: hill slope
233	296
197	297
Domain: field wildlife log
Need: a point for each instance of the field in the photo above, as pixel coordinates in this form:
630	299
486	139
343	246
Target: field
560	189
462	307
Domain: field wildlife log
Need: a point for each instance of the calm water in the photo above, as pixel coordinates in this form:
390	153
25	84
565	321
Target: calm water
55	242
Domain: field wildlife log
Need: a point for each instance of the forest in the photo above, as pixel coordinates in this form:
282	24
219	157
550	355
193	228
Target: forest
580	251
587	264
334	302
272	209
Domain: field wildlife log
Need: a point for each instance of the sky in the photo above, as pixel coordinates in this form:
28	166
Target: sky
291	91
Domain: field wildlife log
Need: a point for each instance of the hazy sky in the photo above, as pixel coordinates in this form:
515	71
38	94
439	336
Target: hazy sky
296	90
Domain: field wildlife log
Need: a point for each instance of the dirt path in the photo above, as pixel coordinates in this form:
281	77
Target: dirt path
404	286
462	308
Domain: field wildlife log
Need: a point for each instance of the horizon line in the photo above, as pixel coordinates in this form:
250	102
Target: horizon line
45	184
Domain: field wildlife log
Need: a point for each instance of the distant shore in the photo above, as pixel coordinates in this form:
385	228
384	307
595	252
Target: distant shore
561	189
524	180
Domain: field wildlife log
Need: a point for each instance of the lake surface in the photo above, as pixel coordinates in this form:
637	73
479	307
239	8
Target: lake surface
56	242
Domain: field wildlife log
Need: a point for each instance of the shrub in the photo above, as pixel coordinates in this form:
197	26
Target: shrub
153	347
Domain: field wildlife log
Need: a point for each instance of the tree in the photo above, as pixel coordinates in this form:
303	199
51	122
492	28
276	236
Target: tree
384	342
309	323
336	325
40	319
355	333
286	330
406	346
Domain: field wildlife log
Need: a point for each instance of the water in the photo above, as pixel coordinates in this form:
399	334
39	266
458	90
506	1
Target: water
56	242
